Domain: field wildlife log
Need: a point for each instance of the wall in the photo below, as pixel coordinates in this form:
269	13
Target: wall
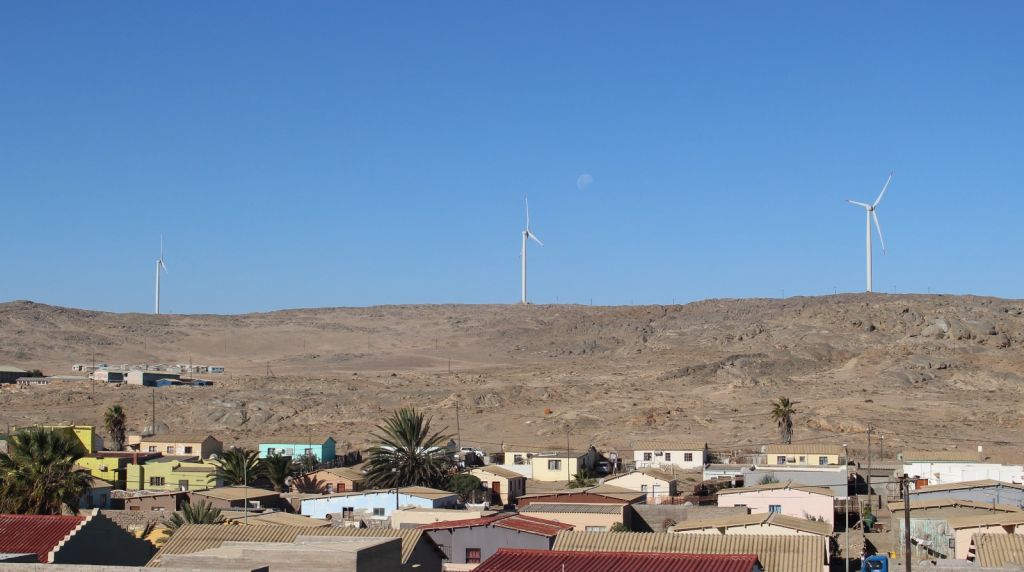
406	518
138	476
944	473
511	489
100	541
832	478
936	531
541	472
524	470
161	503
580	520
115	468
793	502
677	458
202	449
295	450
1001	495
656	489
321	507
807	459
488	539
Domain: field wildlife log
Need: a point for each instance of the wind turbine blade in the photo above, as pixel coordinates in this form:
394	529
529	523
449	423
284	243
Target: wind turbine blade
164	266
534	237
161	247
879	227
887	181
865	205
527	199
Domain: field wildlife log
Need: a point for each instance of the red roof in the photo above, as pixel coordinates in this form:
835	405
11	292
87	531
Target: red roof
520	560
534	525
36	534
508	520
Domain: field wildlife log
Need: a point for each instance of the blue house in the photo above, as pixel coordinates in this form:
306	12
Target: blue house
377	504
984	491
322	448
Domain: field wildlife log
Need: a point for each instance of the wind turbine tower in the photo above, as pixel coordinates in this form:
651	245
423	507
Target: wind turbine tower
870	212
526	234
159	265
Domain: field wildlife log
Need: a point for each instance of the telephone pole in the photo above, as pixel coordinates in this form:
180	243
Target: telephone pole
870	429
458	425
905	491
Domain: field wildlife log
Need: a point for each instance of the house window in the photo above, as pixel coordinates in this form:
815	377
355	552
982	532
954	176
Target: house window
183	485
378	511
188	450
643	488
648	456
822	460
152	448
688	457
775	508
597	529
780	460
156	481
803	459
554	465
346	512
668	456
472	556
270	451
518	460
308	452
170	449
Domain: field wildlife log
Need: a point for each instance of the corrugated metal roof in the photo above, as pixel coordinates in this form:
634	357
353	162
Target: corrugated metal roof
236	493
522	560
777	487
464	523
296	440
668	445
804	449
498	471
897	506
197	537
790	553
941	456
655	473
11	369
274	519
533	525
177	438
986	519
36	534
996	550
607	491
349	473
756	519
572	508
985	483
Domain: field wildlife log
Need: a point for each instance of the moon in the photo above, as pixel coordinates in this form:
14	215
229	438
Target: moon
584	181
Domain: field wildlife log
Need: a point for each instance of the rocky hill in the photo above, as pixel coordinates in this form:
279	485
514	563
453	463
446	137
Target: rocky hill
927	371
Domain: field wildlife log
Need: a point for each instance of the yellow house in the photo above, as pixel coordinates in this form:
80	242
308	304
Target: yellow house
505	486
169	474
179	444
84	434
551	467
813	454
112	465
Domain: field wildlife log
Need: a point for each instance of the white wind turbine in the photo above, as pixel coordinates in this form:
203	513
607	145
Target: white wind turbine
159	264
869	211
527	233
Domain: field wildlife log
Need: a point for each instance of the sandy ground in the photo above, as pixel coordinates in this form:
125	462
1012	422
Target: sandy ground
926	371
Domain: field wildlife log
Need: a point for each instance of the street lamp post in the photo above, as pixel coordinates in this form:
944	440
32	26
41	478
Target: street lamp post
846	522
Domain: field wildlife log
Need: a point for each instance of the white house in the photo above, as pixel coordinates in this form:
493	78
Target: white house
684	455
942	467
376	504
658	484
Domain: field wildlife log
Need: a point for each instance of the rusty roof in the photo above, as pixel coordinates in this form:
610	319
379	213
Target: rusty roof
572	507
998	550
36	534
192	538
790	553
523	560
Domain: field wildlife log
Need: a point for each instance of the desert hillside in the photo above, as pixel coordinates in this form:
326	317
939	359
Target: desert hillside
927	371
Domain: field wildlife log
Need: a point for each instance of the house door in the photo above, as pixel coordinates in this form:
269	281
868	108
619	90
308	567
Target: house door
496	490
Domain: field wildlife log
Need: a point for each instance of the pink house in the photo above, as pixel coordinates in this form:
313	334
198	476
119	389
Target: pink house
786	498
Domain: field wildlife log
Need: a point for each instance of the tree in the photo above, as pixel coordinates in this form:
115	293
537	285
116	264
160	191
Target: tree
309	484
768	479
38	474
783	411
619	527
236	467
35	373
277	468
114	421
200	513
408	453
467	486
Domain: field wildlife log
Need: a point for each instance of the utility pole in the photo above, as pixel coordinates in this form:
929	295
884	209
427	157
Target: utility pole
568	456
871	428
905	491
153	428
458	425
846	522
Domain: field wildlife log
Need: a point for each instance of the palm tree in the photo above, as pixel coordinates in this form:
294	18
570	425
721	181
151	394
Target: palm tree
200	513
408	453
38	474
114	420
309	484
783	411
278	469
236	467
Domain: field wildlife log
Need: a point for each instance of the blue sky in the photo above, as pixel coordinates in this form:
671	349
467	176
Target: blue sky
344	154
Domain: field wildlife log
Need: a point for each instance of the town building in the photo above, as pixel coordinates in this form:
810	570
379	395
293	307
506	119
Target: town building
473	541
334	480
149	501
986	490
814	454
238	497
418	552
376	505
10	374
943	467
776	553
171	474
113	465
661	517
148	377
966	527
759	523
596	509
839	479
554	467
89	538
788	498
934	536
519	560
322	448
504	486
107	376
272	518
85	435
664	453
990	551
97	495
413	517
657	484
196	444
